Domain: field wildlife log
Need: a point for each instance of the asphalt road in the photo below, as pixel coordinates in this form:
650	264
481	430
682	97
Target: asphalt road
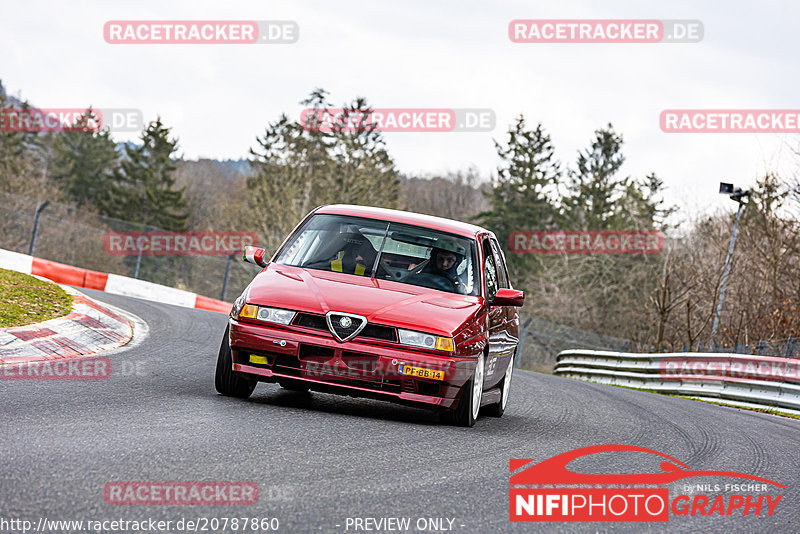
320	459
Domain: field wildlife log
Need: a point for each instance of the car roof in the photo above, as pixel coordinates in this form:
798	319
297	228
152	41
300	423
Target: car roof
407	217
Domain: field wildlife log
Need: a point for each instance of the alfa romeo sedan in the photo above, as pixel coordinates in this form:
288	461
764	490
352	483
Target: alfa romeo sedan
378	303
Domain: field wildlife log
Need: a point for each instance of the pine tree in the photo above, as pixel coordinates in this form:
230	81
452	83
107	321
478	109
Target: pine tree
600	199
84	161
298	165
595	186
17	148
142	188
523	196
364	169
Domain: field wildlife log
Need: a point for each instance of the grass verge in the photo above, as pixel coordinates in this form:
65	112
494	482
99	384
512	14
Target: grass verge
25	300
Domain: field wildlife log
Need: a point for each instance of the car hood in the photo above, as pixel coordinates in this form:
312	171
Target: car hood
380	301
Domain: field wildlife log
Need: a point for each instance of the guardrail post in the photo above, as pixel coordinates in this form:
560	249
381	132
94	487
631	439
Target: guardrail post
138	263
227	275
39	211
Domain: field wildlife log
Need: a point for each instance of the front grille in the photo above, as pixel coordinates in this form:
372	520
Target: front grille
372	331
392	386
315	352
287	364
309	320
367	363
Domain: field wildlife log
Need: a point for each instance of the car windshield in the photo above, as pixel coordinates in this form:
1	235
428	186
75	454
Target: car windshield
388	251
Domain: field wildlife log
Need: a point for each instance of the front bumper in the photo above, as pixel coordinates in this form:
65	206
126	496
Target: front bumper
355	368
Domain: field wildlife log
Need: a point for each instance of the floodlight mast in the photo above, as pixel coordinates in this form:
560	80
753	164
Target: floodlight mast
738	195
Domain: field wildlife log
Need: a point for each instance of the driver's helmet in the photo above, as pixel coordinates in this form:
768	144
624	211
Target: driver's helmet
448	248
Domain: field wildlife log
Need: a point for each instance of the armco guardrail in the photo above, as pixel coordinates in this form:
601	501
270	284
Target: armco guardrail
737	379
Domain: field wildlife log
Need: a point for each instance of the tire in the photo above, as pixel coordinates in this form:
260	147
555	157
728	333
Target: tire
292	385
226	381
497	409
470	404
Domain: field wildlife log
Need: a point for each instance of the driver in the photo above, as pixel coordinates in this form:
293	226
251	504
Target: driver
445	263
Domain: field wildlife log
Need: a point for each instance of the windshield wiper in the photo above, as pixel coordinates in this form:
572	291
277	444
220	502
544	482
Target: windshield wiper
380	251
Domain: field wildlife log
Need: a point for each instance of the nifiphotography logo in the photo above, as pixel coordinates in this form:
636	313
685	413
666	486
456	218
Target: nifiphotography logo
549	491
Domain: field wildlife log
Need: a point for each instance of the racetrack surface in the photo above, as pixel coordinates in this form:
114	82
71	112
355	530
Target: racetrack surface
319	459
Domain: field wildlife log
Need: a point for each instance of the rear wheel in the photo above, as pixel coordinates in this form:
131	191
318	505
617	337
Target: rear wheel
470	404
226	381
497	409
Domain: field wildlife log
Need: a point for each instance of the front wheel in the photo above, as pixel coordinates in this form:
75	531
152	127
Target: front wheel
470	404
226	381
497	409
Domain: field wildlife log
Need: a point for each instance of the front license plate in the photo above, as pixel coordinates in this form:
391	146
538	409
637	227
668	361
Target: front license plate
420	372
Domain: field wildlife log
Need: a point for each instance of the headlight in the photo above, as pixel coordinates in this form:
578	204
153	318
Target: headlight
275	315
268	315
425	341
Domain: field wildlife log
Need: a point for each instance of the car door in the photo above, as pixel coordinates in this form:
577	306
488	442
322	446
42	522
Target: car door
507	335
496	319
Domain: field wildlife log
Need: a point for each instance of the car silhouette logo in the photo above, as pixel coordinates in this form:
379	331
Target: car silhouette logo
554	470
345	322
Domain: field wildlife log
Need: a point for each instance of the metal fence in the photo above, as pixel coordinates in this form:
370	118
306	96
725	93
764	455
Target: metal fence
67	234
541	341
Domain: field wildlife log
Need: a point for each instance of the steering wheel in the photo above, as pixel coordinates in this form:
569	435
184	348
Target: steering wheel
416	270
383	266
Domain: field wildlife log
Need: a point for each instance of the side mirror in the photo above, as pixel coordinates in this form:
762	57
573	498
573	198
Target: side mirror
508	297
255	255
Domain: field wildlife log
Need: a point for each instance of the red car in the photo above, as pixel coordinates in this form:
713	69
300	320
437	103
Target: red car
378	303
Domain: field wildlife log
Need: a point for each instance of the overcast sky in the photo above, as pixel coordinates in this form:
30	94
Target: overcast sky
424	54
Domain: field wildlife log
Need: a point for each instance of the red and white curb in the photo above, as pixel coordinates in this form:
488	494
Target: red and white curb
110	283
88	329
